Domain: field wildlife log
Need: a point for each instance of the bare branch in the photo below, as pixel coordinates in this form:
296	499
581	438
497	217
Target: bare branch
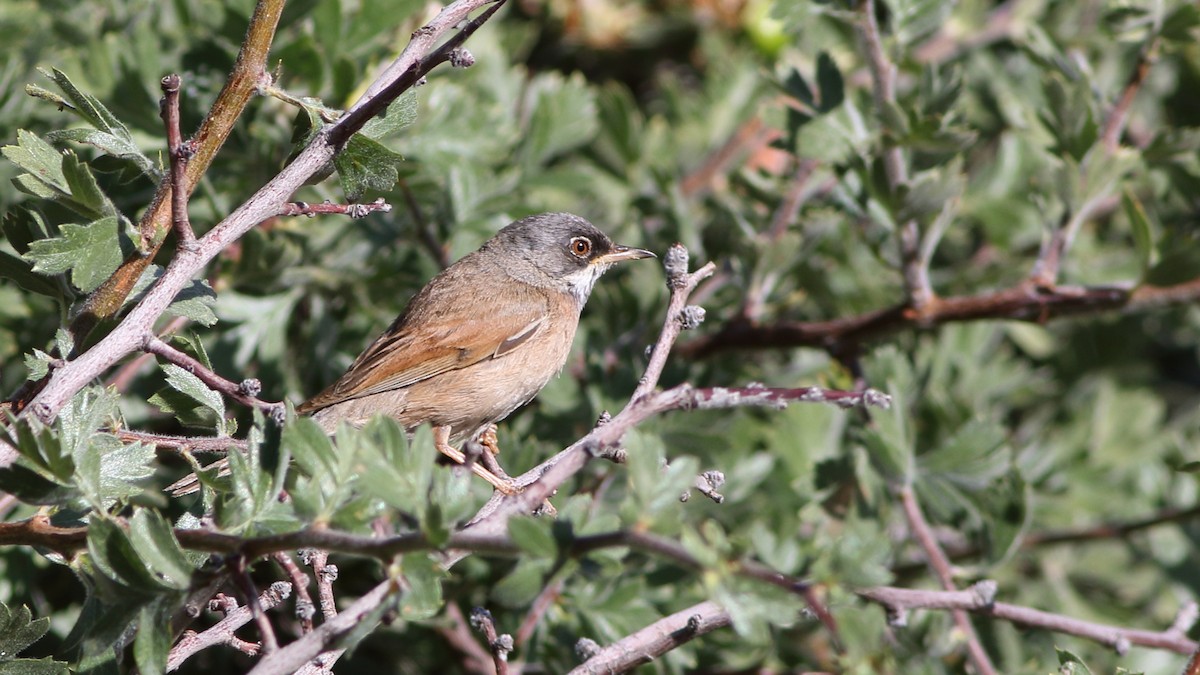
498	644
1021	303
223	631
214	444
900	600
1118	116
242	578
305	609
289	659
656	639
476	659
327	207
245	392
940	565
681	284
179	153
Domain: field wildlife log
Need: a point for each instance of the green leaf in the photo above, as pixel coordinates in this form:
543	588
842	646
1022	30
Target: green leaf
153	640
424	575
110	144
364	165
156	543
194	388
90	252
564	117
41	160
830	83
399	114
18	630
533	536
115	556
21	272
86	195
109	471
1143	230
522	584
87	106
1069	664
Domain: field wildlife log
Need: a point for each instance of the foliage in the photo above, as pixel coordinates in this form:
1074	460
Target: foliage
660	122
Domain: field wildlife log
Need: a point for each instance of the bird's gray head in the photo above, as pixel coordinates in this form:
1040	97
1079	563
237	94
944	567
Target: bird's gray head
560	251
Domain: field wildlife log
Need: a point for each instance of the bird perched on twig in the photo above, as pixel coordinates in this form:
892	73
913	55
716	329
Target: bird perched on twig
480	339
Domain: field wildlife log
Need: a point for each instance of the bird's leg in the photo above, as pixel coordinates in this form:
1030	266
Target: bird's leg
441	440
488	439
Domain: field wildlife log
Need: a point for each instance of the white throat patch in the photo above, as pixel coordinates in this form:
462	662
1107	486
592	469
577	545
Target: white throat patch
580	283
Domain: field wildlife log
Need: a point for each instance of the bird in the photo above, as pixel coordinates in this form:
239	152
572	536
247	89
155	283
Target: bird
481	339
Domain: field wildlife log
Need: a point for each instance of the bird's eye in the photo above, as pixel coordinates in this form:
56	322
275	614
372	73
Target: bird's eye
581	246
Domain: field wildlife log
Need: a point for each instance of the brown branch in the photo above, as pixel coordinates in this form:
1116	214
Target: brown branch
326	574
900	600
291	658
498	644
125	374
1021	303
305	609
327	207
1118	116
656	639
213	444
244	392
178	152
241	577
476	659
940	564
681	284
917	287
750	134
954	39
223	631
537	609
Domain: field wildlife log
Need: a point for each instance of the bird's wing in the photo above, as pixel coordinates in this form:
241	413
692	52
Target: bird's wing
437	334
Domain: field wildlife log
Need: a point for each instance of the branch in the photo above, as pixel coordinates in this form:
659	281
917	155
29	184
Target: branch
679	316
940	564
416	60
656	639
900	600
223	631
244	392
425	232
291	658
327	207
178	152
498	644
1118	116
213	444
1021	303
242	578
883	78
305	609
476	658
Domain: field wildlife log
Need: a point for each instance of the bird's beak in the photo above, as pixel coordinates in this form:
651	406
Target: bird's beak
619	253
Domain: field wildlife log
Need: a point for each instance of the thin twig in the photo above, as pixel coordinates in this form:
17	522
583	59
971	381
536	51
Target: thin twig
125	374
940	565
179	153
244	392
500	645
1118	116
329	208
656	639
900	600
291	658
202	444
326	574
681	284
223	631
476	659
883	79
537	609
242	578
305	610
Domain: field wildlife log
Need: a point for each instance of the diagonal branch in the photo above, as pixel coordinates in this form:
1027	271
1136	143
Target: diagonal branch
656	639
416	60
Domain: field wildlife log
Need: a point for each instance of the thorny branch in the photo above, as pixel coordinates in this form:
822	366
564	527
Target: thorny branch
179	153
223	631
654	640
245	392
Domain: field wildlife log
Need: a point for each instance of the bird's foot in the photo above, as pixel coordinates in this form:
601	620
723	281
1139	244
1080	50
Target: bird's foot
489	440
502	482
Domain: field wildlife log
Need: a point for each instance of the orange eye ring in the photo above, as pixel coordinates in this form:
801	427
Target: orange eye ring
580	246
